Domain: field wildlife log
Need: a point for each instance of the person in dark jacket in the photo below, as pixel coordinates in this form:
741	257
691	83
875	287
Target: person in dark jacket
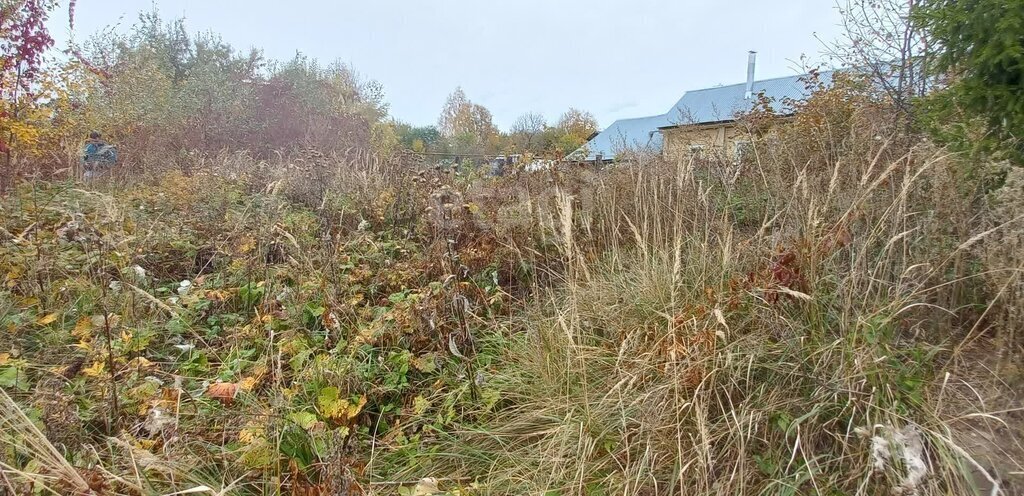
98	157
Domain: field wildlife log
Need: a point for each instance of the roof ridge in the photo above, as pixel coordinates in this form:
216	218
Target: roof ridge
755	82
791	76
637	118
630	119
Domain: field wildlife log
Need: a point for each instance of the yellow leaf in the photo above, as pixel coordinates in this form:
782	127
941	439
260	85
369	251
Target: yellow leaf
4	358
250	434
140	363
83	329
246	245
331	404
335	409
12	277
248	383
217	295
259	454
126	336
47	319
354	410
288	393
95	370
420	405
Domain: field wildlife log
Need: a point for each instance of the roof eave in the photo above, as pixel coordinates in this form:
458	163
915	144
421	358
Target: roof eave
698	124
716	123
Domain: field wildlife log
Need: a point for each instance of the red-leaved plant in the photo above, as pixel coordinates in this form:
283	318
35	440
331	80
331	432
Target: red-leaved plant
23	40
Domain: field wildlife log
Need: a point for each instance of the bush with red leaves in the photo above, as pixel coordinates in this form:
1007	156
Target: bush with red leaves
24	37
23	40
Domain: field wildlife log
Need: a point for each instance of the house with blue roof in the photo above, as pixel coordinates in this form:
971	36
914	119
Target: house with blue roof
702	121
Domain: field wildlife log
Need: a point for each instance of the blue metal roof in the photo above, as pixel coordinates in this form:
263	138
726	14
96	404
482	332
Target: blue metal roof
640	134
695	107
724	102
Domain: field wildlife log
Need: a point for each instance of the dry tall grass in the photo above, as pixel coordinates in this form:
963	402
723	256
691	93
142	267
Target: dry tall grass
790	329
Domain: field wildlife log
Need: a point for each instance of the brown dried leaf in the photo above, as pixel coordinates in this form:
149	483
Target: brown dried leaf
223	392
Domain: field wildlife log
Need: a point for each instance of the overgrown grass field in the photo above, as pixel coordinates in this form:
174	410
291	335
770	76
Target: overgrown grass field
835	315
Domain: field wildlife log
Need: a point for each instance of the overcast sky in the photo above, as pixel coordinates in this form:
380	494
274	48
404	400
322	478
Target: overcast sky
625	58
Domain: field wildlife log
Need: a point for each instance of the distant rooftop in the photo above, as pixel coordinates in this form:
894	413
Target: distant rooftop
704	106
722	103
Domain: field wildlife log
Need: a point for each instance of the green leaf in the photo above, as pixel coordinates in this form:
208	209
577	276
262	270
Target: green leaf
176	325
260	455
306	420
313	316
765	464
13	377
426	363
331	405
397	298
298	445
251	294
314	310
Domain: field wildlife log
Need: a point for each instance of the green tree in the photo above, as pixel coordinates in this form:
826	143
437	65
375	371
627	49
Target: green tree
572	131
980	45
419	139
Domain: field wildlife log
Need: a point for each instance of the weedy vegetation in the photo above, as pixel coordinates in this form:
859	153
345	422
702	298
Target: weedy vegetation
837	313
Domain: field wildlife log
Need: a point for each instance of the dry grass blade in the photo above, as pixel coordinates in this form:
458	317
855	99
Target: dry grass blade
20	434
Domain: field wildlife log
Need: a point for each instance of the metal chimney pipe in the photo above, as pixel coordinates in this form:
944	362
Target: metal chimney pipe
751	60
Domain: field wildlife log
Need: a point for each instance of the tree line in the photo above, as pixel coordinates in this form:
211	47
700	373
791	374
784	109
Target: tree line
165	96
467	128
